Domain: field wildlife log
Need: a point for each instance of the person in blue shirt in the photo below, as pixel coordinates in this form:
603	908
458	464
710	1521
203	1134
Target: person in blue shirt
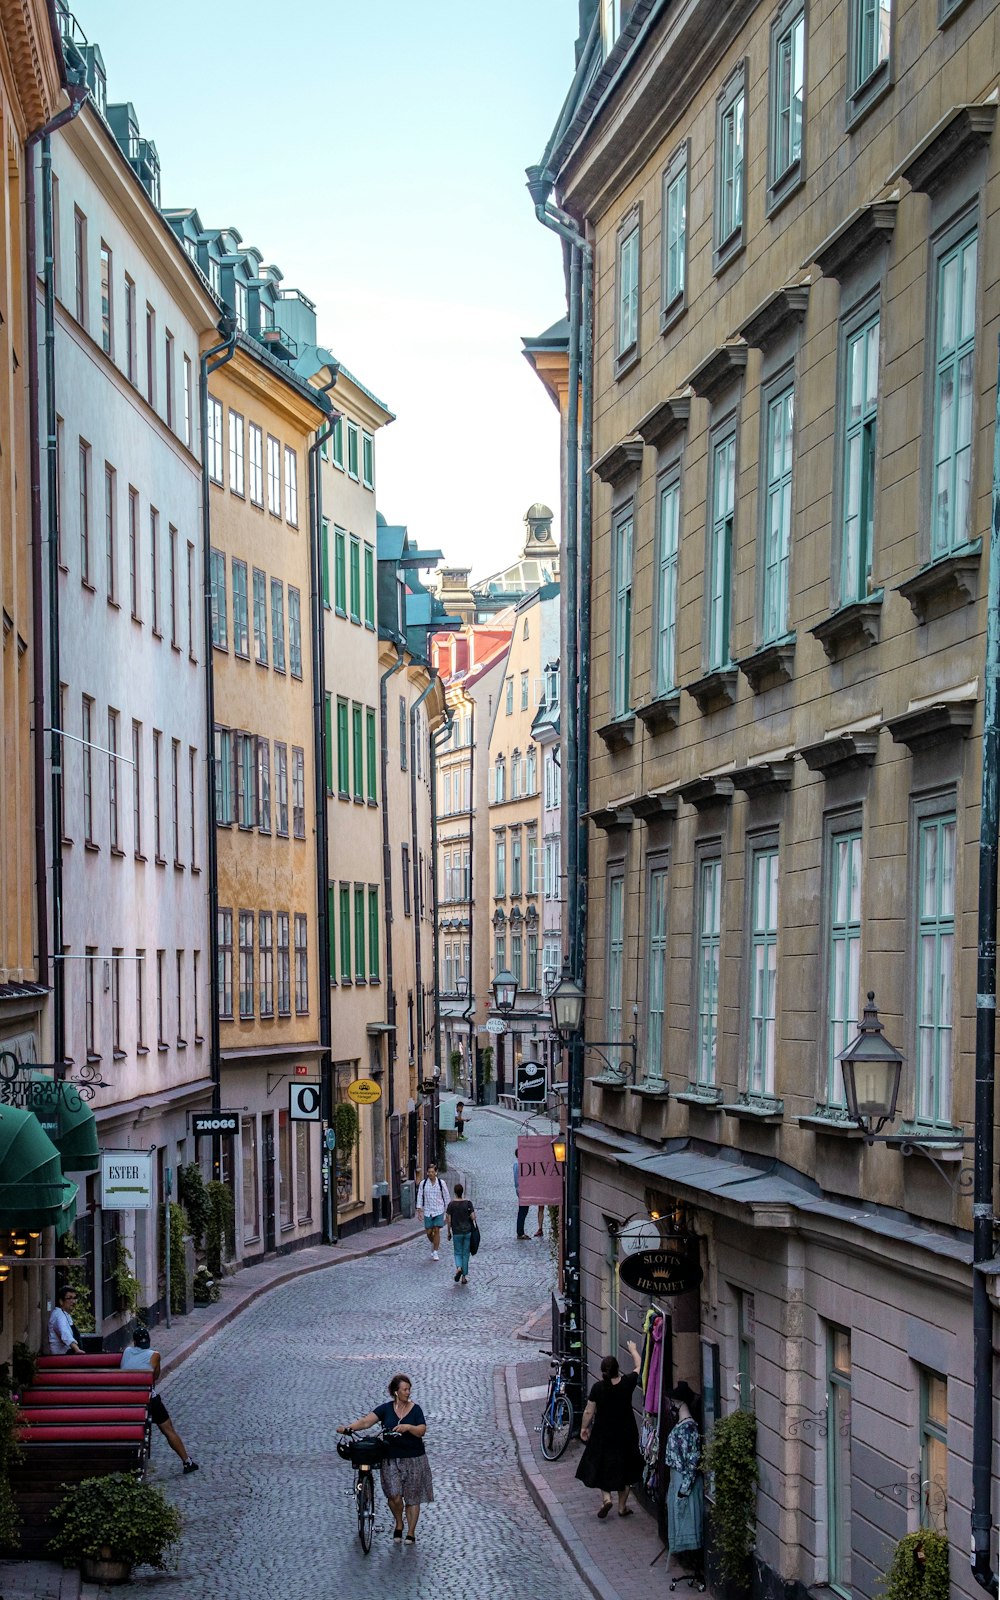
406	1472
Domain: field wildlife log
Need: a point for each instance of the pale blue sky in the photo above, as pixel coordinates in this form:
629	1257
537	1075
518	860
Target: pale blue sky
374	150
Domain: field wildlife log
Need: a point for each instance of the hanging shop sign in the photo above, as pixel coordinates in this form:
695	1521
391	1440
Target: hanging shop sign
660	1273
215	1122
496	1025
539	1174
304	1100
531	1082
126	1180
364	1091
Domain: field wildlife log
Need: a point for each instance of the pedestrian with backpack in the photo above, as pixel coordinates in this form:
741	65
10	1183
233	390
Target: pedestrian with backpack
432	1203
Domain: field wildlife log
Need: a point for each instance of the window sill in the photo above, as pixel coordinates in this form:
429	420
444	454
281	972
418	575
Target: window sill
64	568
370	626
926	1138
241	655
95	849
142	1049
160	861
728	252
359	799
853	627
867	95
178	866
162	1048
92	1057
715	690
612	1082
670	315
944	584
175	647
761	1109
158	634
85	583
783	188
700	1099
345	983
137	620
118	1055
661	713
117	854
199	1038
113	603
195	870
180	1044
771	665
652	1089
359	981
831	1122
627	362
619	733
372	803
948	15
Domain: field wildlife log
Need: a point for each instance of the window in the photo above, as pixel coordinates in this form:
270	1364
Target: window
340	570
746	1338
345	933
499	867
237	483
225	925
83	457
172	583
158	856
369	586
531	771
130	340
343	750
763	970
674	266
110	536
709	933
214	439
294	633
281	789
933	1451
373	935
616	953
175	799
499	952
137	788
133	551
729	155
284	967
193	809
256	465
955	336
360	934
515	861
337	442
80	264
89	1008
871	37
187	400
241	624
838	1460
357	750
777	511
550	869
666	592
220	624
355	576
251	1179
500	780
223	777
151	362
264	785
368	460
303	1172
611	24
935	940
516	955
161	1027
106	302
621	682
168	377
117	957
154	568
860	411
720	553
524	691
402	733
265	942
352	449
298	792
278	624
260	617
114	840
324	562
844	958
628	289
371	754
195	962
788	87
291	486
246	781
273	476
140	1000
86	732
246	964
656	970
531	975
301	964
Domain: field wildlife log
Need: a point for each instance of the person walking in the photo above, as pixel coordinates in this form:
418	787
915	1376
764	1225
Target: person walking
62	1329
522	1210
432	1203
611	1459
461	1215
140	1358
406	1472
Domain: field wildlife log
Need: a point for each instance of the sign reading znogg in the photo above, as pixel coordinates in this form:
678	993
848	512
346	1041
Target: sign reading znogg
364	1091
304	1102
661	1272
215	1122
126	1180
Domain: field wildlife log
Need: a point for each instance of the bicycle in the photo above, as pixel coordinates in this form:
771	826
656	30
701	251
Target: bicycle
557	1417
365	1452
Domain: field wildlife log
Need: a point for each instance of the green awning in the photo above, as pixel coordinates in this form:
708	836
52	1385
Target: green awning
34	1194
68	1121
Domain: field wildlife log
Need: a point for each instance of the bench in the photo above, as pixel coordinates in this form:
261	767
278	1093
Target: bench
82	1417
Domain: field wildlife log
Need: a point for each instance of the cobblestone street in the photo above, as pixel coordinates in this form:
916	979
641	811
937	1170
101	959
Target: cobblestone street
268	1514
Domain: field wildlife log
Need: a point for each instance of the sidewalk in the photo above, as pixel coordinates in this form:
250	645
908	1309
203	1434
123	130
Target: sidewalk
614	1557
46	1580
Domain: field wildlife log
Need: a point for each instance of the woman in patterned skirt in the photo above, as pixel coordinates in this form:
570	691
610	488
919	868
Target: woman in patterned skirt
406	1472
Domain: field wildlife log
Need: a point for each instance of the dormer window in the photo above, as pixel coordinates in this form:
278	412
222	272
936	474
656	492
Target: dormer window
215	275
99	89
240	294
266	315
611	23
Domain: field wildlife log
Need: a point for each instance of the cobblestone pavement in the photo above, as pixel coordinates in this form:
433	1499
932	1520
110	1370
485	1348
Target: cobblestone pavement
268	1516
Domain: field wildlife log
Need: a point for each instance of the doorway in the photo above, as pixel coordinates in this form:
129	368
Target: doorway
267	1139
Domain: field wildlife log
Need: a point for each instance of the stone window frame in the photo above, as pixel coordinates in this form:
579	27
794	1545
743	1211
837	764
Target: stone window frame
630	225
657	860
772	387
670	475
726	426
844	819
968	217
865	306
725	249
624	514
938	800
782	185
710	849
765	840
864	94
679	165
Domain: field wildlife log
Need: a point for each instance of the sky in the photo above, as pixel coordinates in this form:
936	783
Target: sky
374	150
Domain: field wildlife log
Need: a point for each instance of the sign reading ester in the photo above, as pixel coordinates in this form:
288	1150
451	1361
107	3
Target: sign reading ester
661	1273
304	1102
364	1091
126	1180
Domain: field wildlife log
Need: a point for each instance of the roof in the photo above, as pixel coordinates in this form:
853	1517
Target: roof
554	338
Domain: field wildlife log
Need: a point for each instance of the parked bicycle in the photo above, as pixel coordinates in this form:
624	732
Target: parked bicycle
557	1417
365	1452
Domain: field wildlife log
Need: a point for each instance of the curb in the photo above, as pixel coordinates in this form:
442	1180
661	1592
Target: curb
530	1325
208	1330
599	1585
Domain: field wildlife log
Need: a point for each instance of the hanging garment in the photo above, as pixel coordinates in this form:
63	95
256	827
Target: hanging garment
655	1366
685	1496
647	1347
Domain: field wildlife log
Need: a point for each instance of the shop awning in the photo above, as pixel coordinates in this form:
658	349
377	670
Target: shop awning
68	1121
34	1193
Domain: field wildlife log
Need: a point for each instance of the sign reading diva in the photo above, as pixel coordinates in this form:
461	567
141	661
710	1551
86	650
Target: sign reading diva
539	1175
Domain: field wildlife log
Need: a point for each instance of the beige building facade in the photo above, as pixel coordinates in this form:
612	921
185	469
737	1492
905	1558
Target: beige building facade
791	210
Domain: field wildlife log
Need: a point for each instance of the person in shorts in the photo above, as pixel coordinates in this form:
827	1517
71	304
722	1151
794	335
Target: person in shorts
432	1203
406	1471
140	1358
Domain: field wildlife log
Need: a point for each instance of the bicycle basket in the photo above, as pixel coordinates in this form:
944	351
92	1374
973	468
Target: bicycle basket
362	1452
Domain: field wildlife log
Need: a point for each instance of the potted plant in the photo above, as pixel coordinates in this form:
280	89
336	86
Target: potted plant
919	1569
111	1525
455	1063
732	1471
206	1290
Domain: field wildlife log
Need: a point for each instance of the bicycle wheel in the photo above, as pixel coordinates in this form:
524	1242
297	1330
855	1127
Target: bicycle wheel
366	1510
558	1427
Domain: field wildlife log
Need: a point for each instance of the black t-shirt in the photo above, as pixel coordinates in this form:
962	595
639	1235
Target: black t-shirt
407	1444
460	1215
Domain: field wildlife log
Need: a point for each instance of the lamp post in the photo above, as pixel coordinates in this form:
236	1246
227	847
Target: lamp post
504	988
566	1004
462	990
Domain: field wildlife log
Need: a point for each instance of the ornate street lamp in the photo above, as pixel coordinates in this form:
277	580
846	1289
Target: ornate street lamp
559	1151
872	1068
504	988
462	987
566	1006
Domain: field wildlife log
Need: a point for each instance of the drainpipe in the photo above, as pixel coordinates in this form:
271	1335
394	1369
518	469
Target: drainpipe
209	363
445	729
986	990
320	756
417	905
390	992
576	573
471	1006
78	94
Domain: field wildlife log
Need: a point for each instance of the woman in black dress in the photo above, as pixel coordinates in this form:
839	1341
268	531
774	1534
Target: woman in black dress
611	1458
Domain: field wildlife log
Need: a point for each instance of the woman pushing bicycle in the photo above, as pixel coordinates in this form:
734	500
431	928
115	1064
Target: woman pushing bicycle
406	1471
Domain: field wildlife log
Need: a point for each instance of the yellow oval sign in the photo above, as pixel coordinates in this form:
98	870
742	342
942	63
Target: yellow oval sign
364	1091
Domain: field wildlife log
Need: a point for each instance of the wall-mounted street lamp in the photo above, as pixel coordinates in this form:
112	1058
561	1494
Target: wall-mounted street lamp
566	1003
504	988
462	987
872	1069
559	1152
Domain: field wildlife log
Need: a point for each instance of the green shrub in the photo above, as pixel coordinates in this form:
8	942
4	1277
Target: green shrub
731	1462
133	1521
192	1191
127	1286
487	1061
919	1569
75	1278
10	1455
345	1122
220	1223
179	1230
